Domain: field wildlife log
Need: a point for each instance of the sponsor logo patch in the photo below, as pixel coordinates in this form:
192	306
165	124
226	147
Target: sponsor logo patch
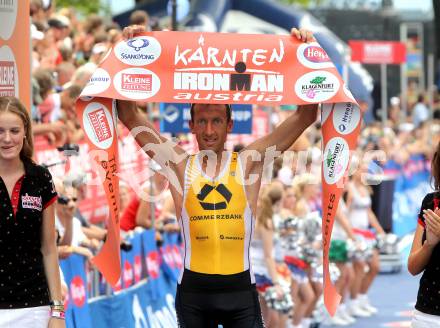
98	124
336	157
99	82
346	117
139	51
317	86
32	202
136	83
311	55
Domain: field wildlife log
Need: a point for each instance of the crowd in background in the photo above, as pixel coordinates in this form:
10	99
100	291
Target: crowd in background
67	48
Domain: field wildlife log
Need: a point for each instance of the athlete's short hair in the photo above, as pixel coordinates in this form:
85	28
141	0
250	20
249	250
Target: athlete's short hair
228	112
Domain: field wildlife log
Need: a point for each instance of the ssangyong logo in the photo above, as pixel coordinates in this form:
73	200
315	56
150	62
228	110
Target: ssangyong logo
7	79
101	127
78	291
336	159
317	86
153	264
138	44
137	82
139	51
311	55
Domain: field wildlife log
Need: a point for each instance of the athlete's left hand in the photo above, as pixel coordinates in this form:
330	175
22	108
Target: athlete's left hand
56	323
303	34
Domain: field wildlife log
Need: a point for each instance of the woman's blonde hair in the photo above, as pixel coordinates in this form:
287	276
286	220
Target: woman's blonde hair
269	197
13	105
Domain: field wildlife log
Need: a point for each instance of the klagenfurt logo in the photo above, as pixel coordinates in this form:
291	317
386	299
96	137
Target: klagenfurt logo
313	56
346	117
78	291
99	82
224	74
8	17
98	124
139	51
336	157
137	83
317	86
8	73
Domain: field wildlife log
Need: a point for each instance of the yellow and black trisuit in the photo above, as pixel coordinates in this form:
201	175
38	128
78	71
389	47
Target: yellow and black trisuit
216	226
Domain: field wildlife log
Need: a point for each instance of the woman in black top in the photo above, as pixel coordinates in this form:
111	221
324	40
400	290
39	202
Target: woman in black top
30	289
425	255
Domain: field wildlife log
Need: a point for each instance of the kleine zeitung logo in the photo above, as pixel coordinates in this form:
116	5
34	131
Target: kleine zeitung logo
8	73
98	124
311	55
346	117
336	157
136	83
139	51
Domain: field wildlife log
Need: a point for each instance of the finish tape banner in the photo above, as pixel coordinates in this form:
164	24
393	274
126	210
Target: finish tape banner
198	67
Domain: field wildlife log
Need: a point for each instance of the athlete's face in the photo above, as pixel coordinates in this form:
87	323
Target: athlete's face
210	126
12	134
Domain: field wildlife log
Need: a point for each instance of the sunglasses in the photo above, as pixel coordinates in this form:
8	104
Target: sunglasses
64	200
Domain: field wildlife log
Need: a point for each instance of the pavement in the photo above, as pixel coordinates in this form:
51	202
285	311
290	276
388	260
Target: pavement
394	295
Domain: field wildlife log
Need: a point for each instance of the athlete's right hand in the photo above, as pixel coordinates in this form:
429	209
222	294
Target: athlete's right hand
130	31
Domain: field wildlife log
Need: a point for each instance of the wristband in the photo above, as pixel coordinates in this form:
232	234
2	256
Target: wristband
57	308
58	314
56	303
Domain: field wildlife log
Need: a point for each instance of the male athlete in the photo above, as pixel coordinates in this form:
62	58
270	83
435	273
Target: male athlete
215	194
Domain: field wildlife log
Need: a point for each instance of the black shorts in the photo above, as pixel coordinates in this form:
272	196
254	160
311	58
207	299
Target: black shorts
230	305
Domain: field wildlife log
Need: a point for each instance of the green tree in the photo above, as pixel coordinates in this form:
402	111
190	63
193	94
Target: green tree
84	7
